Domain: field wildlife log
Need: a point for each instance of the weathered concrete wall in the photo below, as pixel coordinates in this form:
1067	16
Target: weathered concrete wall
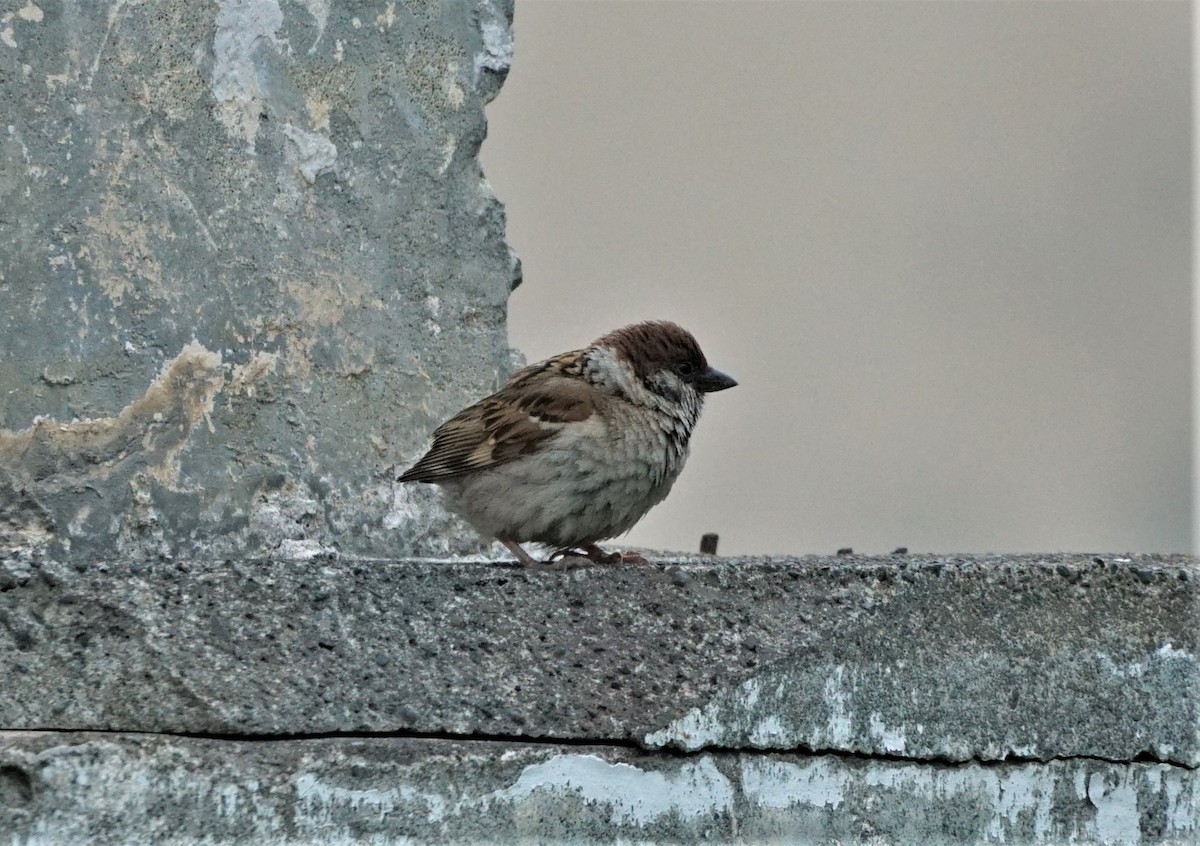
247	261
123	789
893	700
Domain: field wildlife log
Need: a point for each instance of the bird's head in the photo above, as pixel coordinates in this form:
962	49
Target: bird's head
657	364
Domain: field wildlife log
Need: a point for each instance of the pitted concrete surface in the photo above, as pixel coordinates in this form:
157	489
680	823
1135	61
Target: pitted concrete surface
117	789
940	659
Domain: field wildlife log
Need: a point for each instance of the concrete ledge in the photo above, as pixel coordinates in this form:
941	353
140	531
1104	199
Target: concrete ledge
954	659
802	700
117	789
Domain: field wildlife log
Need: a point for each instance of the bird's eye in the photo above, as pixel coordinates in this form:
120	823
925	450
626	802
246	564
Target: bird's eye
684	368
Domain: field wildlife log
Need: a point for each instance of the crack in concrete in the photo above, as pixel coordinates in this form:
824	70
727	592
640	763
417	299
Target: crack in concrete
619	743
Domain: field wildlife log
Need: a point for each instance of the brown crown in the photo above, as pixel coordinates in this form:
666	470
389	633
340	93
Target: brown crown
654	345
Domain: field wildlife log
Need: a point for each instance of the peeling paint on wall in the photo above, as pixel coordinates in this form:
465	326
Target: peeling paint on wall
862	709
401	791
632	795
242	28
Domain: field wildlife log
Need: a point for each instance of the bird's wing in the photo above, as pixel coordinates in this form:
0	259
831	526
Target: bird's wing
535	403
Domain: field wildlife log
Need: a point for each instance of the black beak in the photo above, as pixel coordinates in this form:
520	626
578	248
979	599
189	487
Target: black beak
713	379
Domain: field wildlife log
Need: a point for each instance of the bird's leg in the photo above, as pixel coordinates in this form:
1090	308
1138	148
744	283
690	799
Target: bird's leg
522	556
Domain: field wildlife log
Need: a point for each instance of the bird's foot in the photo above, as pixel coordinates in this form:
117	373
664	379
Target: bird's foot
598	555
590	551
567	558
559	559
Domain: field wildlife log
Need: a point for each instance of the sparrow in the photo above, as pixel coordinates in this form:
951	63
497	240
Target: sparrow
577	448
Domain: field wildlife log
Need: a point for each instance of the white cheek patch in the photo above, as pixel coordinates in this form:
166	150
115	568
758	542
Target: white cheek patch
605	369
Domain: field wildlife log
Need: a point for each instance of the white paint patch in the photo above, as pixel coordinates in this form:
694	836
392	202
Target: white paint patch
311	153
1080	783
1014	797
770	733
747	713
1117	818
319	9
694	730
497	53
892	740
1182	802
820	783
837	701
632	795
1019	791
7	33
242	26
318	801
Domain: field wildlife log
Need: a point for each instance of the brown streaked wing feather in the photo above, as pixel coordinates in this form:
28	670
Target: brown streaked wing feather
510	423
565	364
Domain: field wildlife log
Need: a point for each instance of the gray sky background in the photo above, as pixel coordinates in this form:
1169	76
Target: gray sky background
945	248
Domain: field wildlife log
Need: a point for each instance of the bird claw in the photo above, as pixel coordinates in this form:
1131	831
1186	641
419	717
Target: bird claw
560	556
599	556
